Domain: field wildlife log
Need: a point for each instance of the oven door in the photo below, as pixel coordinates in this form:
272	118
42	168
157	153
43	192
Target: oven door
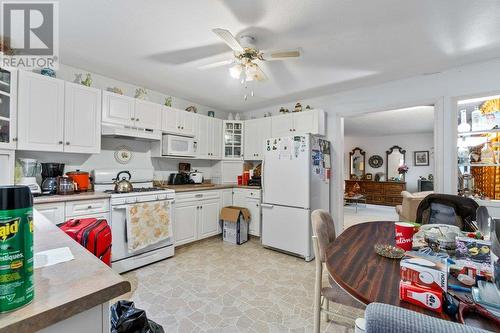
175	145
119	248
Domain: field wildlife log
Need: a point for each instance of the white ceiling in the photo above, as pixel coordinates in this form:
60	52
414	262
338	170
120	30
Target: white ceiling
345	44
419	119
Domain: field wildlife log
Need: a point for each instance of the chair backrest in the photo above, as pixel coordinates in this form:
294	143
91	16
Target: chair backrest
448	209
324	229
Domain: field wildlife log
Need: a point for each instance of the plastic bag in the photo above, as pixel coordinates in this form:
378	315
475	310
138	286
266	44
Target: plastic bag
126	318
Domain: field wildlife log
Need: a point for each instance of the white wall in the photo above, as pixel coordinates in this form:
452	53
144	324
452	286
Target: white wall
67	73
441	89
378	145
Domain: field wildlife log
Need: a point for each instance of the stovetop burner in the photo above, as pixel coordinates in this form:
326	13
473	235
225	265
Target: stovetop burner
138	190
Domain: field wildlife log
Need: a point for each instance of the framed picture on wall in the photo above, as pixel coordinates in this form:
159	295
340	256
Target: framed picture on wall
421	158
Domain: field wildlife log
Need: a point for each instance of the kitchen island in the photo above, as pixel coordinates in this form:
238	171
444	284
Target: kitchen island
72	296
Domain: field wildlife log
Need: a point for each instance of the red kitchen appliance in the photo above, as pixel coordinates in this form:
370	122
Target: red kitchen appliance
93	234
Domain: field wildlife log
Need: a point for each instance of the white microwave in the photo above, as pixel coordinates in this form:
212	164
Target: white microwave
176	145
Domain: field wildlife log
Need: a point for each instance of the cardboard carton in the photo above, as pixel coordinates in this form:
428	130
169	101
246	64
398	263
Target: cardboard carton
235	224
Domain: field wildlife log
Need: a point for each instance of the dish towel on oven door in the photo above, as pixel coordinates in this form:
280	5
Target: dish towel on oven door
147	223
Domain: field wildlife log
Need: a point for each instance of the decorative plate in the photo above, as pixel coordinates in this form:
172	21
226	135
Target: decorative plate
123	155
376	161
389	251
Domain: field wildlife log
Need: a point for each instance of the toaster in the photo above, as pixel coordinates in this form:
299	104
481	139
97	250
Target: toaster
180	178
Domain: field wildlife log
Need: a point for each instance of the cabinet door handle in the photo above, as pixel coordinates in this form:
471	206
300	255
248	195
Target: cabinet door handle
290	129
132	118
182	127
14	139
60	142
89	207
67	143
294	130
198	196
136	119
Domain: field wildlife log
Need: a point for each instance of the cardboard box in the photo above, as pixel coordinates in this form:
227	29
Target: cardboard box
423	270
420	296
235	224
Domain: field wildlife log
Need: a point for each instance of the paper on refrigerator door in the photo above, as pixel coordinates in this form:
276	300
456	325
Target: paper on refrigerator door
285	148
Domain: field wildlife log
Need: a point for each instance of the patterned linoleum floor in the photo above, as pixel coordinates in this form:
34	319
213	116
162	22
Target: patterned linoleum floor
218	287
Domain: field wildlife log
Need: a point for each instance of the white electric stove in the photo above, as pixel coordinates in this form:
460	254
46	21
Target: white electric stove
142	181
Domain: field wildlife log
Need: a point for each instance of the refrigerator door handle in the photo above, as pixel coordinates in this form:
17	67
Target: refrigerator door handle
263	177
266	205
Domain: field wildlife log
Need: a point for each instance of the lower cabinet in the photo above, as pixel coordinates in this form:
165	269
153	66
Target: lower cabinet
59	212
196	216
250	199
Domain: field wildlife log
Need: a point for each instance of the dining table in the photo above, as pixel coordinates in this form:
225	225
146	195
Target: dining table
368	277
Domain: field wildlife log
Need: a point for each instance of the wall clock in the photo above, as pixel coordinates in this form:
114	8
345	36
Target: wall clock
376	161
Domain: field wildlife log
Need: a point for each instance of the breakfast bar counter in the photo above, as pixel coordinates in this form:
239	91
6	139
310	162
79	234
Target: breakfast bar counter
72	296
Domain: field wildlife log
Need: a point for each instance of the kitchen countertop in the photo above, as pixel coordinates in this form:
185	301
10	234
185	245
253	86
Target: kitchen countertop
66	289
205	187
70	197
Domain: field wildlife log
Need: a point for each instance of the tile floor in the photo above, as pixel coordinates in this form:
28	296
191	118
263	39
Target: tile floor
213	286
368	213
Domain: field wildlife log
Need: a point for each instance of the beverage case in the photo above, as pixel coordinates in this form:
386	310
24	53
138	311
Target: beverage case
420	296
426	271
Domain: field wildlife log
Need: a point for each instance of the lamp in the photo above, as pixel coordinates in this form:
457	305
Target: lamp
235	71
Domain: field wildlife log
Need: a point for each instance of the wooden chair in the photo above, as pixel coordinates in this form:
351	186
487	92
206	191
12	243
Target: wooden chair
323	235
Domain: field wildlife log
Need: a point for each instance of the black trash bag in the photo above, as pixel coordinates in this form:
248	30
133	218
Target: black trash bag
126	318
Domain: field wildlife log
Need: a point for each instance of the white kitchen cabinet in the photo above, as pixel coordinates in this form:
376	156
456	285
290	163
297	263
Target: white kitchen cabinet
250	199
185	221
209	218
232	139
8	108
178	122
7	166
209	138
54	212
216	141
226	197
298	123
40	112
256	132
147	115
118	109
82	119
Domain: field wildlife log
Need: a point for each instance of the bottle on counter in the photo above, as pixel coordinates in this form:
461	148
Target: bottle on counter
464	126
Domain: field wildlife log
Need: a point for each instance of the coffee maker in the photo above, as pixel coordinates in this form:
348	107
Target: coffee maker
50	172
29	168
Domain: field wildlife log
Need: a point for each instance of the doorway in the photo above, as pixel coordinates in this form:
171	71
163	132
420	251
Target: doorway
387	155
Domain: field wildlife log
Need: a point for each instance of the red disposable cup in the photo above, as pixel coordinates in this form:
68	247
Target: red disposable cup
404	235
240	180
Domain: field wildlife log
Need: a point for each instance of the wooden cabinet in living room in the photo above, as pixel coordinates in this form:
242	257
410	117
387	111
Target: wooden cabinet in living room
40	112
256	132
82	119
297	123
178	122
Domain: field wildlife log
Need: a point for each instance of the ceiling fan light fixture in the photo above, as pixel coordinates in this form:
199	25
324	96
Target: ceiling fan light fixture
235	71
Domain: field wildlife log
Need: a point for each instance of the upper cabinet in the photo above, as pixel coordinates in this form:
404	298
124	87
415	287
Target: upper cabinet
147	115
309	121
8	108
59	116
118	109
131	112
40	112
209	138
178	122
82	119
232	139
256	131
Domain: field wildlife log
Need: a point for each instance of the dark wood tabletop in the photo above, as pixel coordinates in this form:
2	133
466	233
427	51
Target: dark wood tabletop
354	265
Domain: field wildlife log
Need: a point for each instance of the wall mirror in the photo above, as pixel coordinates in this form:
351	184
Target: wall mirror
357	163
395	157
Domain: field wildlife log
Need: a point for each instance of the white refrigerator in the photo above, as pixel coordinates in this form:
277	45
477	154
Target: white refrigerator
295	181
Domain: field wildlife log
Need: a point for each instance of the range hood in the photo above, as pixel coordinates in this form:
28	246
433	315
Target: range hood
130	133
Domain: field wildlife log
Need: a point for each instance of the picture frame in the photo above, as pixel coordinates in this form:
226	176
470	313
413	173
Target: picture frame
421	158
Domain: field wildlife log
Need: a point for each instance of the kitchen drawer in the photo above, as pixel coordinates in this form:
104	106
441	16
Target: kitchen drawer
86	207
249	193
197	195
54	212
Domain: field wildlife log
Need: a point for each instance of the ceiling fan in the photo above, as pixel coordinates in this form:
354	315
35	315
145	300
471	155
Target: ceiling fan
244	66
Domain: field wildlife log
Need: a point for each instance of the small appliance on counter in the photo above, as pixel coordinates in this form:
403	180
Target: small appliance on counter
255	181
50	172
65	185
29	168
81	179
180	178
196	177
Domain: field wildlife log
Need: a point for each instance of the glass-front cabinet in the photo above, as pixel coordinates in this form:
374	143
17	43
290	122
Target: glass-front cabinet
478	147
233	139
8	90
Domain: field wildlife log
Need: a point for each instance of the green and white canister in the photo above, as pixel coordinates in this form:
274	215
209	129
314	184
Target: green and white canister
16	247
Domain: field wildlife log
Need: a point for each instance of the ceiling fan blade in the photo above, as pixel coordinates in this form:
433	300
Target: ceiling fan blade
281	55
229	39
217	64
